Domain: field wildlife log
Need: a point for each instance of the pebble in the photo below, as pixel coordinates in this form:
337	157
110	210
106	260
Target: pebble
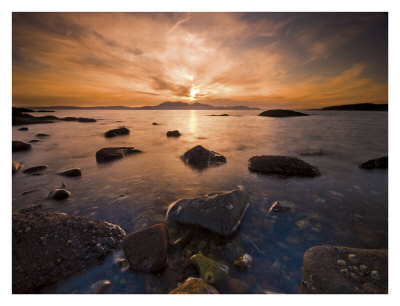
353	258
243	261
341	263
28	229
375	275
100	287
364	269
344	272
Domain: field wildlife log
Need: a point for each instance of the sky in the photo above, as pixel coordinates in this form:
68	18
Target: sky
268	60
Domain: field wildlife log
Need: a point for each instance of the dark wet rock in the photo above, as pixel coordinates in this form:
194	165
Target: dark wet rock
35	169
174	133
117	132
113	153
278	207
77	119
147	250
19	118
155	123
221	115
323	274
42	135
33	140
48	117
22	110
237	286
16	165
59	194
71	172
213	272
381	163
217	212
281	113
44	111
23	128
194	286
243	262
100	287
282	165
56	246
18	146
200	157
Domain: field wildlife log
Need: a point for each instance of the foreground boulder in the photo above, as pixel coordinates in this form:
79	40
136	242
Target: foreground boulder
381	163
210	270
71	172
49	246
16	165
113	153
200	157
174	133
147	250
194	286
281	113
330	269
35	169
117	132
18	146
217	212
282	165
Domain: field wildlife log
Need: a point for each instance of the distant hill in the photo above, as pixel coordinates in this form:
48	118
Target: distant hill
359	107
163	106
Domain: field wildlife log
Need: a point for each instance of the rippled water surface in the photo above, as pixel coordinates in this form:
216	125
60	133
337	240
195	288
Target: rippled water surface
345	206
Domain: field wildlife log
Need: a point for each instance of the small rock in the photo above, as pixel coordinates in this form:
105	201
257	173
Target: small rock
341	263
28	229
71	172
279	207
113	153
59	194
364	269
35	169
281	113
117	132
16	166
353	258
243	261
100	287
345	272
174	133
123	264
210	270
18	146
23	129
155	123
380	163
194	286
200	157
42	135
375	275
237	286
33	140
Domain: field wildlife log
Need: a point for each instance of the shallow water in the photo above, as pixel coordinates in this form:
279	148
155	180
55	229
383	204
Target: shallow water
345	206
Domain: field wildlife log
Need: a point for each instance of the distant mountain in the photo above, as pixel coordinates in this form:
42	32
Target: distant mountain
163	106
359	107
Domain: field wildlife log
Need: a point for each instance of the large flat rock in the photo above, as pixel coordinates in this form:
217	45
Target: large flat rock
217	212
332	269
282	166
49	246
281	113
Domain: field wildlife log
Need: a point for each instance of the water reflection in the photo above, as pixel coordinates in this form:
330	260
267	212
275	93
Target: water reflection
193	122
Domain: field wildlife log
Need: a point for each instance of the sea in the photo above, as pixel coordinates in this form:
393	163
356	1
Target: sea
345	206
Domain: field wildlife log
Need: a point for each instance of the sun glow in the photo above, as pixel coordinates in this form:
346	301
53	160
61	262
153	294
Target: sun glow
193	93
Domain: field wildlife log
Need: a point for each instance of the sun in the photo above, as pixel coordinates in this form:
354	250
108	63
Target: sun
193	93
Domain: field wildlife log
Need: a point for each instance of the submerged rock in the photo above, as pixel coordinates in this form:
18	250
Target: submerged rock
279	207
18	146
59	194
40	135
281	113
117	132
35	169
33	140
71	172
16	165
56	246
243	262
325	270
194	286
23	128
237	286
174	133
100	287
217	212
113	153
200	157
381	163
86	120
210	270
282	165
147	250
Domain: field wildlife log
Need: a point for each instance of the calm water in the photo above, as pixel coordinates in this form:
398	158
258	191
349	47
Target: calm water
346	206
